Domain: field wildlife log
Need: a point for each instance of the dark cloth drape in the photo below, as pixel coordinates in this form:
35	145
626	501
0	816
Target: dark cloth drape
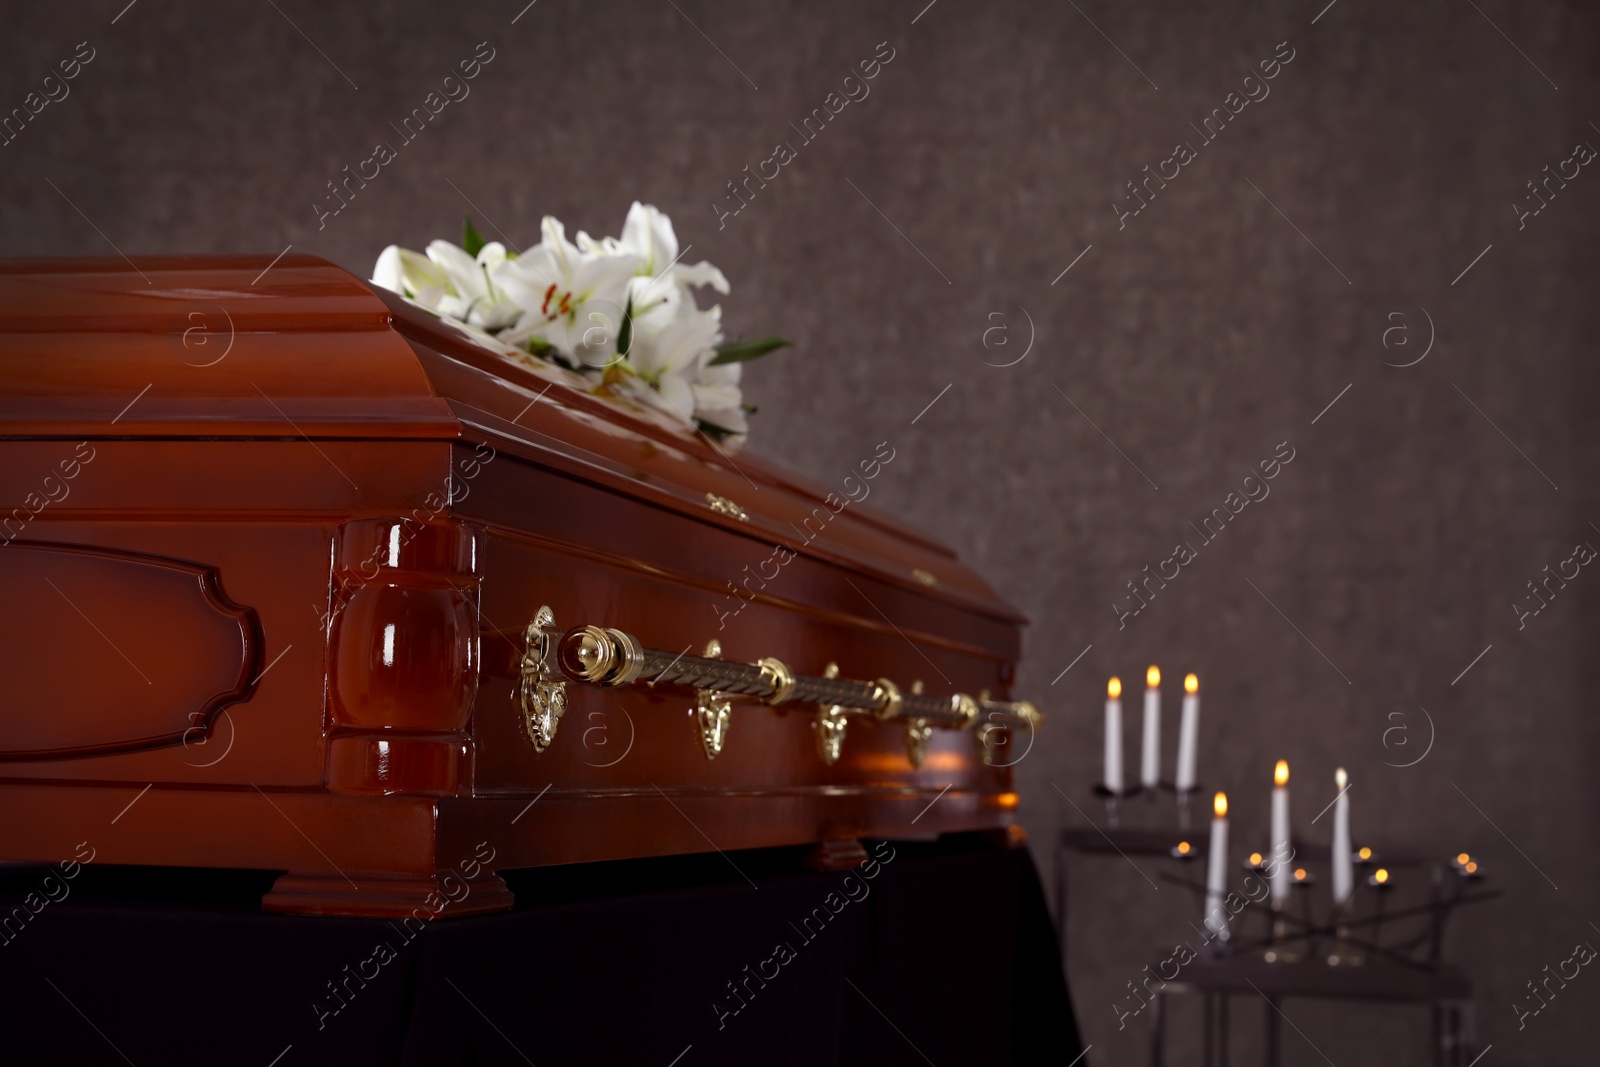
937	952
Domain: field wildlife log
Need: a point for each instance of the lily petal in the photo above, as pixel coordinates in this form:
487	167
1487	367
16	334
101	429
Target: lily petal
701	273
386	272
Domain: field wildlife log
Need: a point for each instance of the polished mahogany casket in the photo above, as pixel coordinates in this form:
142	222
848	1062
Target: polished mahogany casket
299	577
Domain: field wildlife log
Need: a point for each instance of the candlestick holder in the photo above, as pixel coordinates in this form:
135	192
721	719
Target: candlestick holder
1381	886
1183	796
1367	947
1184	852
1116	802
1343	952
1363	929
1113	800
1281	947
1219	937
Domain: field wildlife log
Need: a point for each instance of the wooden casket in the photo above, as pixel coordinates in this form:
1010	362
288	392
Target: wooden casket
299	578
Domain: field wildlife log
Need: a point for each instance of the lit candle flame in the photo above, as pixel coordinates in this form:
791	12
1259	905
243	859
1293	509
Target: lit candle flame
1220	805
1381	876
1462	859
1152	677
1340	779
1299	874
1255	859
1191	683
1280	773
1364	852
1472	867
1183	848
1114	688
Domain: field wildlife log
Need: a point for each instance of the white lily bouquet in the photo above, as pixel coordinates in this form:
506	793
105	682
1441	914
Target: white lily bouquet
620	312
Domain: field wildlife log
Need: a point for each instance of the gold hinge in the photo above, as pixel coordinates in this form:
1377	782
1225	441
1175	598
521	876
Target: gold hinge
723	506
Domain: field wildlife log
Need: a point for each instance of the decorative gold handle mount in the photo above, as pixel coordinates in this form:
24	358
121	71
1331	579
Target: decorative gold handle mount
610	657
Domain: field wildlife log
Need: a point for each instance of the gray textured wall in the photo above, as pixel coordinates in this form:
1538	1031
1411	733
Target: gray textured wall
1196	337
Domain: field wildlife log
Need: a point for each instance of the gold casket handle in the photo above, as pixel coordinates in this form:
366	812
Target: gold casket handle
610	657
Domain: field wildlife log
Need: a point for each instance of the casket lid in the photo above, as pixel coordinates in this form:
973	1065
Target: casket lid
250	347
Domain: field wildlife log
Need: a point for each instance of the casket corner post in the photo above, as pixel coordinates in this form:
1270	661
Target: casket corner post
403	654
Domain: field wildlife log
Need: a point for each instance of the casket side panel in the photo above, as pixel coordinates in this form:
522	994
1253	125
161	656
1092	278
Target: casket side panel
260	517
73	690
624	757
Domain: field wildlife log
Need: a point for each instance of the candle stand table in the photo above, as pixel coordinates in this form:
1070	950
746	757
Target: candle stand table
1367	950
1216	979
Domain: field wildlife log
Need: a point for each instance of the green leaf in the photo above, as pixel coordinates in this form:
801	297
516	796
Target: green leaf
740	351
712	430
471	240
625	335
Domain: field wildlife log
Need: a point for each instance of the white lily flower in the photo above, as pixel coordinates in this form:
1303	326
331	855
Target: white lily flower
662	281
504	311
449	282
648	234
666	359
570	298
718	399
387	272
476	299
412	275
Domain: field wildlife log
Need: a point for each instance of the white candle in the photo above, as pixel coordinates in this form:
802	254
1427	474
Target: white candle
1280	833
1188	733
1113	771
1150	763
1343	875
1217	870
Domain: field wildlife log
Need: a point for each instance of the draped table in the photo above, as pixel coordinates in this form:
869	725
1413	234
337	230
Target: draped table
944	953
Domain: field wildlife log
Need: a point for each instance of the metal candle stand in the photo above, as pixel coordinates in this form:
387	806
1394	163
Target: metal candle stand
1340	955
1420	951
1113	800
